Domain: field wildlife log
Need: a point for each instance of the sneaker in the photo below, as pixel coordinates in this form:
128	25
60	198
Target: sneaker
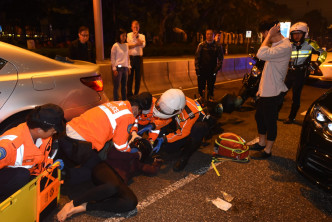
289	121
180	164
260	155
256	146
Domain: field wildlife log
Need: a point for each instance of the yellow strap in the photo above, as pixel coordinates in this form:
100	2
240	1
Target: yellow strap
215	168
238	151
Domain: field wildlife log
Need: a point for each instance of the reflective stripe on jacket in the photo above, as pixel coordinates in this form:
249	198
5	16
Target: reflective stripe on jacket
185	121
301	55
145	119
112	120
21	151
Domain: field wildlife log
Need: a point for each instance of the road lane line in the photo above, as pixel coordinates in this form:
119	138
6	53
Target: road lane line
164	192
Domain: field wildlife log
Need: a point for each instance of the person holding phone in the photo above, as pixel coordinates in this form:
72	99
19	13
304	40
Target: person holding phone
136	43
276	51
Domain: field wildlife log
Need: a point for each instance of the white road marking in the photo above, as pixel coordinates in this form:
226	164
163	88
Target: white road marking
164	192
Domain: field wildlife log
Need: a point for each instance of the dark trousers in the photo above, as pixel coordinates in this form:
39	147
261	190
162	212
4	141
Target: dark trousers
267	114
192	142
295	81
120	79
206	78
135	62
109	194
11	180
83	166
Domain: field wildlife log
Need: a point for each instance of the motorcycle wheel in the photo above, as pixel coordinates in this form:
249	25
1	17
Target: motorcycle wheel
244	93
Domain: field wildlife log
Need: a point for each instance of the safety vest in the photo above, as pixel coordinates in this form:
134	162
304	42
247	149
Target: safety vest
17	149
147	118
112	120
301	55
185	120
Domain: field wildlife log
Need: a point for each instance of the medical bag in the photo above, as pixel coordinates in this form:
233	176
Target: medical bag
230	145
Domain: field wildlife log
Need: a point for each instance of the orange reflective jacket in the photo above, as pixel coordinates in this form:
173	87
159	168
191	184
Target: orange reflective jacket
17	149
145	119
112	120
185	120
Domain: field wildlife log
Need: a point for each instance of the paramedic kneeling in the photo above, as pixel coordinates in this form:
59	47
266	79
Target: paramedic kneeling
24	149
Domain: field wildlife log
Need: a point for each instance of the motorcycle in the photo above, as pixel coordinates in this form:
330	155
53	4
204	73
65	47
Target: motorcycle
250	84
251	80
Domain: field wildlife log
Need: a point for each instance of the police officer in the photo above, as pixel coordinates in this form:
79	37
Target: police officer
208	61
302	49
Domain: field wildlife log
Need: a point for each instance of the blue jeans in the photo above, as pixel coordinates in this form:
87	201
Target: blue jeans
122	78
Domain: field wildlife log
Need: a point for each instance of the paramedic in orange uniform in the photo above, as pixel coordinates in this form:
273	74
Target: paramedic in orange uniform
150	123
86	135
24	149
192	124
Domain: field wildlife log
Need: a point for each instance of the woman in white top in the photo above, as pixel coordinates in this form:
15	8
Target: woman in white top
120	65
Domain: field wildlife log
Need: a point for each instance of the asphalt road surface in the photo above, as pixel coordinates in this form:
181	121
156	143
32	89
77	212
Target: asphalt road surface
262	190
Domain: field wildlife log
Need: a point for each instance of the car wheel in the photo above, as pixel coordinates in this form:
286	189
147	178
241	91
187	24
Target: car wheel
13	121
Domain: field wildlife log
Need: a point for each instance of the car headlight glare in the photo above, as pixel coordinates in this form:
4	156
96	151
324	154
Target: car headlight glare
329	126
320	117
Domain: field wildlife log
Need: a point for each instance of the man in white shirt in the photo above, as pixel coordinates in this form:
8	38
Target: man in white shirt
136	42
271	88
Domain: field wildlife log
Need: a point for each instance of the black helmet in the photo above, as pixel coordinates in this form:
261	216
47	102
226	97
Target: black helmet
144	146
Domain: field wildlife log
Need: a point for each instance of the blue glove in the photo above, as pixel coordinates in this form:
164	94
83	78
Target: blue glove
148	127
157	148
62	165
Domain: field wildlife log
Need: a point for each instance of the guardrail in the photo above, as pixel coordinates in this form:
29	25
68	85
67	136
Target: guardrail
163	74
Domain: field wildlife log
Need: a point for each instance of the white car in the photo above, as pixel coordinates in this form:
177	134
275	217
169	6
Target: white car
325	69
28	79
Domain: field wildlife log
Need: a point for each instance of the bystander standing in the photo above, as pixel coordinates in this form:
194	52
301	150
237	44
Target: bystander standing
136	42
81	48
120	65
208	61
271	89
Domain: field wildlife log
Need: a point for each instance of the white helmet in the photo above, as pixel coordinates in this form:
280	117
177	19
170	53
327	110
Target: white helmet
300	27
171	103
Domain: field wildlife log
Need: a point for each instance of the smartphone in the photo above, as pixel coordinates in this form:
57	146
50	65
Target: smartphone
284	28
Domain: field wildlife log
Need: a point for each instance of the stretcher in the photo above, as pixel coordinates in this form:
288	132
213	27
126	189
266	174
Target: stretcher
31	200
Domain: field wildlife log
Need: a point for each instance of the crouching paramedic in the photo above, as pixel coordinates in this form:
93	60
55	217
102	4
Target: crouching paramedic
86	135
192	124
24	150
147	122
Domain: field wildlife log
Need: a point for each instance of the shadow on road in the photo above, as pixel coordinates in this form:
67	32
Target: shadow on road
286	169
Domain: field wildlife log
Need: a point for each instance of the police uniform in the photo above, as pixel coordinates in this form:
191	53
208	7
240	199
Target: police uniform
298	70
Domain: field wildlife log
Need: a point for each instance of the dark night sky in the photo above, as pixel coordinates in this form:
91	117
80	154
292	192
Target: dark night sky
300	7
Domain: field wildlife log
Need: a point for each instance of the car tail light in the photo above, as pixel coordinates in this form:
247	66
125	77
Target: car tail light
94	82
